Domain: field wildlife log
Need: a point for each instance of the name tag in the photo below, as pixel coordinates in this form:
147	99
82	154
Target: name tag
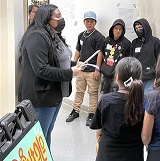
137	50
81	42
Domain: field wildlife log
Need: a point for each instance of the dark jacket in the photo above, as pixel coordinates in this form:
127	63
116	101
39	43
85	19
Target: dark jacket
41	76
146	50
121	47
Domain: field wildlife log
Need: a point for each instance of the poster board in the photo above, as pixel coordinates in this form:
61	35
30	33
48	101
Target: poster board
31	147
21	136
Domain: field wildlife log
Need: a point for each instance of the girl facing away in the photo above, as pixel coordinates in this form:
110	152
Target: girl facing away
119	115
151	123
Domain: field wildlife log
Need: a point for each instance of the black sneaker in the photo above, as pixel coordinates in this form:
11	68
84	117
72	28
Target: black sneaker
89	119
73	115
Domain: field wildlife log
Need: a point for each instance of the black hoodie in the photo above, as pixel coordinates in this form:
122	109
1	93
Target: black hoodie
121	47
146	50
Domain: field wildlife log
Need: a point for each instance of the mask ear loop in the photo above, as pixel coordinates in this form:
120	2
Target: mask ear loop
128	82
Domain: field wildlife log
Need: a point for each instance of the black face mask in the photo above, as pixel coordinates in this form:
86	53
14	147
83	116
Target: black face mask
60	25
140	33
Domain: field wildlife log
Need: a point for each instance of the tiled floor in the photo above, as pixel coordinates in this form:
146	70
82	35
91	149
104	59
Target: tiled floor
73	141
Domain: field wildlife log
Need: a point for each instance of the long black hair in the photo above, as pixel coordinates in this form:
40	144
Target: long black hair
42	18
130	69
41	22
154	96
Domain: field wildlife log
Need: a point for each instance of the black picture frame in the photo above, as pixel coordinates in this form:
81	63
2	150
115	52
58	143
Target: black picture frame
40	2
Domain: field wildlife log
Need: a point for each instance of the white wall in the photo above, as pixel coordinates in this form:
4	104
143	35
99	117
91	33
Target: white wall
7	65
151	11
11	25
107	11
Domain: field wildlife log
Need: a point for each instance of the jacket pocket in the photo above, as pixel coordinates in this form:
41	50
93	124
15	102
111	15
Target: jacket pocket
148	73
42	85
